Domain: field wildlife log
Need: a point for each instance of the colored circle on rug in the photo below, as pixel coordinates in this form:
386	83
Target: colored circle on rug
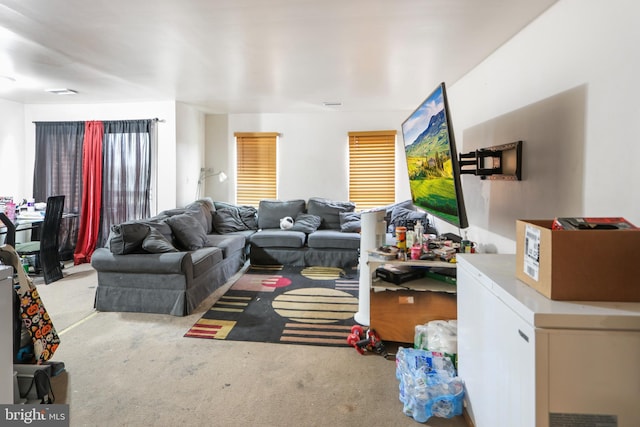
322	273
276	282
316	305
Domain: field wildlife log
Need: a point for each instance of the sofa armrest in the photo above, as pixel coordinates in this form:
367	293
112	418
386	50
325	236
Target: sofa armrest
171	262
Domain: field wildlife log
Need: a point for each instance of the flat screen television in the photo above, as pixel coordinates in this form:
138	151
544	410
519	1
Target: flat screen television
432	160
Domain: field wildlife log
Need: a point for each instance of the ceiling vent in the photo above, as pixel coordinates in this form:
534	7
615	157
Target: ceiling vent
63	91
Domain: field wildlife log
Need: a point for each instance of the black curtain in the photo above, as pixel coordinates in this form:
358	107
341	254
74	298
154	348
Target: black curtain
58	171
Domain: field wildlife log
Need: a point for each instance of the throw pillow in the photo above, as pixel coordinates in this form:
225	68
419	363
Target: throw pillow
329	211
249	216
270	211
156	243
228	220
203	212
188	231
306	223
350	222
126	238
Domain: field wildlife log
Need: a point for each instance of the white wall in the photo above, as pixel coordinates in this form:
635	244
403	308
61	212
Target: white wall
219	147
567	85
11	150
313	150
190	137
167	182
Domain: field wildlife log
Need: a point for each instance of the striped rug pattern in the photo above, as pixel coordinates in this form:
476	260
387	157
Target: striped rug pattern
309	306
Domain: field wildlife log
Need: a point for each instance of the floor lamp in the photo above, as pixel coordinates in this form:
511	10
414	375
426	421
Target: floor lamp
208	173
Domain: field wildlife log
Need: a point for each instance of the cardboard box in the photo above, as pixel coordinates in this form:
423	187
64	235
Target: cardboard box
578	265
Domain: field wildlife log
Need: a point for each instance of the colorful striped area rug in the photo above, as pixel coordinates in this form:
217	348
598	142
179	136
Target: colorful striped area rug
294	305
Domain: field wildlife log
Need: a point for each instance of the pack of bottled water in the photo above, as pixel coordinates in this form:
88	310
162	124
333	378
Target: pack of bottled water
429	386
440	336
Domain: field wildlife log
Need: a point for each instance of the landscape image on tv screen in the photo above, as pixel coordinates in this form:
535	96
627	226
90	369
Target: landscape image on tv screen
431	160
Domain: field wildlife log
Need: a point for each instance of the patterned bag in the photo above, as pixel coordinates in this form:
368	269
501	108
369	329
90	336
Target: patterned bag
33	313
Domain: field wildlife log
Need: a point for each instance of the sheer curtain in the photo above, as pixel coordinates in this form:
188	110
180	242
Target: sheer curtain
127	172
58	170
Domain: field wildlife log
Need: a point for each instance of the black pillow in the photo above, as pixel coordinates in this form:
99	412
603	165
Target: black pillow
156	243
187	231
350	222
306	223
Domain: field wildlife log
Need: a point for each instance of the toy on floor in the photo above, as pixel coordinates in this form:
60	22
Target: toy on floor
366	342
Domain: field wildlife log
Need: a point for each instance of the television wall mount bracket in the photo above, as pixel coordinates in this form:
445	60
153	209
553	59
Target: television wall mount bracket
500	162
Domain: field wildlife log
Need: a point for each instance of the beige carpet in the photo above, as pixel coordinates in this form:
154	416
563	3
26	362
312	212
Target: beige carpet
129	369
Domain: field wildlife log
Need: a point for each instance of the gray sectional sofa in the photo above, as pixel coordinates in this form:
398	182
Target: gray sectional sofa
325	232
170	263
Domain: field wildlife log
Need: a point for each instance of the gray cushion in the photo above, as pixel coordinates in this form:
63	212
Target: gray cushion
228	243
172	212
156	243
203	260
350	222
126	238
202	210
329	211
273	238
162	227
271	211
247	215
222	205
227	220
187	231
333	239
306	223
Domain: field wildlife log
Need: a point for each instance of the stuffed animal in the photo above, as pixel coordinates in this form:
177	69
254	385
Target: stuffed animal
286	223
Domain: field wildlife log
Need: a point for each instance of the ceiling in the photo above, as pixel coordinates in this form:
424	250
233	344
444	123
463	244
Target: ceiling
250	56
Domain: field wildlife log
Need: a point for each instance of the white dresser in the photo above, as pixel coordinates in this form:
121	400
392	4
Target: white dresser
6	335
529	361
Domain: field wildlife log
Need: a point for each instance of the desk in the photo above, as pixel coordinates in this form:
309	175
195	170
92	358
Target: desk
21	225
47	249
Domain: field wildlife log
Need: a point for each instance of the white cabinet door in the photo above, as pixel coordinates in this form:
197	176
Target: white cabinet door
496	357
594	377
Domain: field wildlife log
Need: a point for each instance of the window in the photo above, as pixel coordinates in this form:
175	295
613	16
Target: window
372	169
256	157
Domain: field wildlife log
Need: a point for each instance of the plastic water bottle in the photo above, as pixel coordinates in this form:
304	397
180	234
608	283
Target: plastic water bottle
419	229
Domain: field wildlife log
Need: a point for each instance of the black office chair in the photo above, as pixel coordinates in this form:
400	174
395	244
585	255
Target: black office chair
10	235
46	249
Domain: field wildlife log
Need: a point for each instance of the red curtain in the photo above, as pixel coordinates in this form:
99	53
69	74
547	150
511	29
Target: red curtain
91	192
